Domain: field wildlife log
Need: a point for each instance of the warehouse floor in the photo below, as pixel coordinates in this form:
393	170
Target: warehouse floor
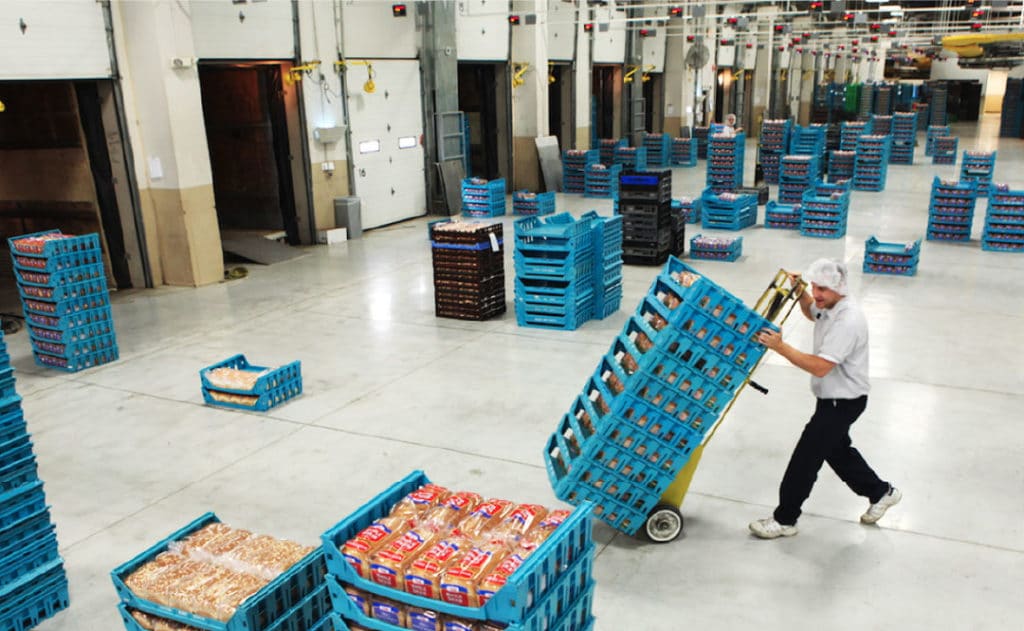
129	452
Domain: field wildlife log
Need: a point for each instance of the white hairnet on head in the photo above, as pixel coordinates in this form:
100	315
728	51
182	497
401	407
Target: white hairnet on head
828	273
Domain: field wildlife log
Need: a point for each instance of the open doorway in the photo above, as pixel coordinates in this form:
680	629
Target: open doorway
484	97
607	93
654	102
247	134
561	121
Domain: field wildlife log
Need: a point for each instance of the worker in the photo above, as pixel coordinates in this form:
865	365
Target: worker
730	124
839	380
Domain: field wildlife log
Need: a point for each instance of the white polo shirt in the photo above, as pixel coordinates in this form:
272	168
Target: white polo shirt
841	337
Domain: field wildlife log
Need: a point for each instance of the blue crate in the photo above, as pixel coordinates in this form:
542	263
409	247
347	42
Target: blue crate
59	263
256	613
558	232
17	474
69	322
58	279
495	209
684	152
81	362
60	293
259	403
33	598
299	619
21	502
823	233
568	322
580	158
739	222
66	307
28	557
7	382
580	303
728	254
525	203
12	430
527	587
75	350
14	451
571	266
782	216
22	536
891	253
55	247
72	335
273	378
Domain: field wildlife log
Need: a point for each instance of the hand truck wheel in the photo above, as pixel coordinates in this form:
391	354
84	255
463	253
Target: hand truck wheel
663	524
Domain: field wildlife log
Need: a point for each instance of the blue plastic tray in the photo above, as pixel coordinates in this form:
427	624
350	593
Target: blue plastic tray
59	263
257	613
21	502
64	292
73	351
525	589
28	557
541	204
66	277
33	598
65	307
18	474
70	336
81	362
70	321
273	378
23	533
56	247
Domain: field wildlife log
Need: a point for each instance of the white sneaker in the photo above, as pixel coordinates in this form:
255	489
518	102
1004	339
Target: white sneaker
771	529
876	510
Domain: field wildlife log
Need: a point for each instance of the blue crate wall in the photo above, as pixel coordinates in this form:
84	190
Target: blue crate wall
871	165
951	210
727	211
33	585
944	150
602	181
978	166
904	136
655	395
684	152
659	150
899	259
934	132
1004	220
574	165
725	161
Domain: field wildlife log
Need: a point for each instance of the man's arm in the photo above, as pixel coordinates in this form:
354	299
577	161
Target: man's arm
817	366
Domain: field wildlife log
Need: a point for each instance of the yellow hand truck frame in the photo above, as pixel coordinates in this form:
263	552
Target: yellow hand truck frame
665	521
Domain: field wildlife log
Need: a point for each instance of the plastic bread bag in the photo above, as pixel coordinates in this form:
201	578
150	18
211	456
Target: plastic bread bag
359	598
358	550
454	508
420	619
517	522
423	577
460	581
543	529
483	517
387	611
419	501
388	566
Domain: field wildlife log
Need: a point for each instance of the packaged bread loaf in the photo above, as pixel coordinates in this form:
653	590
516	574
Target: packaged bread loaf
389	564
484	517
359	598
451	511
543	529
517	522
358	550
460	581
421	619
419	501
155	623
452	623
423	578
387	610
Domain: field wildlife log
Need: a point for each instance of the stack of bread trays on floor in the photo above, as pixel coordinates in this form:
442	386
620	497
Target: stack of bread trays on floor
33	586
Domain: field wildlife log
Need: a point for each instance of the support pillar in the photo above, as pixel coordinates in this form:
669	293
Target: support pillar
529	58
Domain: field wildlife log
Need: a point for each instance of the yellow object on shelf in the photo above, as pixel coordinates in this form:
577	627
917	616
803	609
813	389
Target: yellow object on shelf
971	44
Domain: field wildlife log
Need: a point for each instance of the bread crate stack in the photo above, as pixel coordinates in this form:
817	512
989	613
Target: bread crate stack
631	158
469	269
725	161
716	248
851	130
824	211
900	259
951	210
421	556
701	134
684	152
483	198
934	132
978	166
602	181
63	288
772	145
664	382
527	204
923	114
881	125
782	216
574	167
871	166
1004	220
690	207
798	173
727	211
554	259
904	136
235	383
944	151
209	575
645	203
33	586
607	147
808	141
659	150
841	165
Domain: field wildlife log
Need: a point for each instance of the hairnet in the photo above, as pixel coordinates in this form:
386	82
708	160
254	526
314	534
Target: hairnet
828	273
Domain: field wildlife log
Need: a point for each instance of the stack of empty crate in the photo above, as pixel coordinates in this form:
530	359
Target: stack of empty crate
934	132
631	158
684	152
63	287
725	161
851	131
808	141
574	166
891	258
904	135
607	149
607	277
978	166
469	270
944	150
483	198
645	203
871	166
1004	220
33	586
824	211
659	150
951	210
665	381
773	144
782	216
525	203
798	173
602	181
727	211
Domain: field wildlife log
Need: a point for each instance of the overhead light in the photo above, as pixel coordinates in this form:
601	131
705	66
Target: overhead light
588	27
513	20
398	10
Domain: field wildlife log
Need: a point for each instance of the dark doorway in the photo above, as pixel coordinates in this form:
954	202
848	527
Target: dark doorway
482	98
606	92
247	134
561	122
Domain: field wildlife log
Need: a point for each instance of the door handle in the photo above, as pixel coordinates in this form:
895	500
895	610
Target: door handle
362	172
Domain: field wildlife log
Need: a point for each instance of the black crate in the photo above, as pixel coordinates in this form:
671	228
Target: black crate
645	186
469	312
648	208
479	236
761	191
458	289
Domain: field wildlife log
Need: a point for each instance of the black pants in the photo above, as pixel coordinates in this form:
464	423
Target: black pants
826	438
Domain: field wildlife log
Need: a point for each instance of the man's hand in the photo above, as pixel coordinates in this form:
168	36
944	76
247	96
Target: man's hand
794	278
771	339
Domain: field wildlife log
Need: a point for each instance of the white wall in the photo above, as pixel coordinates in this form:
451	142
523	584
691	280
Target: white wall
561	19
266	32
609	46
948	69
321	91
654	47
482	30
63	39
370	31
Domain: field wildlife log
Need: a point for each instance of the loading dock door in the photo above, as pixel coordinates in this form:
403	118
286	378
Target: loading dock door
387	124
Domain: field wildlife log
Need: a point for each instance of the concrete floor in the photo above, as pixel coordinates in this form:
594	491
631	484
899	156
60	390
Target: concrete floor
129	452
